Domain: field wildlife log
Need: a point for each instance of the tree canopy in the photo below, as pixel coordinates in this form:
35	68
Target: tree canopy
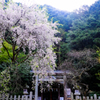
26	29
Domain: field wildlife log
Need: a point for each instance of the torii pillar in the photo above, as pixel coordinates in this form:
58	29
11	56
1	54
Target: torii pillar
65	87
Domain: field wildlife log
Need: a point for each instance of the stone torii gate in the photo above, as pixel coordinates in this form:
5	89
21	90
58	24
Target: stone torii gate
64	80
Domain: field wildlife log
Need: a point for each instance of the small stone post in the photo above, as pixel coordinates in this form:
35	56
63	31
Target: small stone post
65	88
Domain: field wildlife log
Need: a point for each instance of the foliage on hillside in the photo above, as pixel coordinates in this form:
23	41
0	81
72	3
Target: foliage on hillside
79	30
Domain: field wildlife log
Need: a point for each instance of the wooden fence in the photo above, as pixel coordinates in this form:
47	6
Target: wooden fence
94	97
29	97
10	97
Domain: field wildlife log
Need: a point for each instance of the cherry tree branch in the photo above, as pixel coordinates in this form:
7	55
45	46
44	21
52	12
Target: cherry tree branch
25	58
17	22
8	34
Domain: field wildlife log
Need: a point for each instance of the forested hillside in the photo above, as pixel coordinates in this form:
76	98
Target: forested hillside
81	27
80	32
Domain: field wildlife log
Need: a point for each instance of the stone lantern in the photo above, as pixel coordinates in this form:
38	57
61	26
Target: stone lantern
77	93
25	91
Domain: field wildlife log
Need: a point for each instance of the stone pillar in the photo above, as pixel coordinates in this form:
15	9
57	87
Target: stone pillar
36	88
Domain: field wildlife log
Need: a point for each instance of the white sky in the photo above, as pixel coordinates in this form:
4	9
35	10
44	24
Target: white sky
68	5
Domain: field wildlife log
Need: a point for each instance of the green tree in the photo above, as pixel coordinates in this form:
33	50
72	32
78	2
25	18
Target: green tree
78	63
15	78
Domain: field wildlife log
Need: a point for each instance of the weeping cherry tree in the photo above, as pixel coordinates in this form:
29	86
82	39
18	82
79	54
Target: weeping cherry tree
28	30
